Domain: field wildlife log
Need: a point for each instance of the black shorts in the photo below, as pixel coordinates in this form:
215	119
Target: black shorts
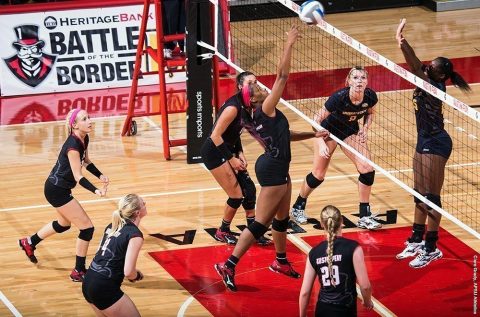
211	156
329	310
438	144
100	291
271	171
55	195
341	132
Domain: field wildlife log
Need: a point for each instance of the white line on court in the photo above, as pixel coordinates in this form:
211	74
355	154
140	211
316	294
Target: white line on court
159	194
182	192
156	126
183	308
9	305
152	124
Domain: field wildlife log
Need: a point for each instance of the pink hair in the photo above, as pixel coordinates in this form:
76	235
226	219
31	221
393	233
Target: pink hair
74	116
246	95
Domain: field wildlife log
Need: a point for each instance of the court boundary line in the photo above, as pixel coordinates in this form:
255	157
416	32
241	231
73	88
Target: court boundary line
159	194
9	305
183	148
182	192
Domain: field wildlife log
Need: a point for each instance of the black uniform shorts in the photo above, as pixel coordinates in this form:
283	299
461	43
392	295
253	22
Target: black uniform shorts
100	291
329	310
271	171
438	144
341	131
55	195
211	156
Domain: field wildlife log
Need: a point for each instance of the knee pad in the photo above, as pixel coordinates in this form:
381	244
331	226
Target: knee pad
367	178
86	234
415	199
234	202
280	225
257	229
249	204
59	228
434	199
249	194
312	181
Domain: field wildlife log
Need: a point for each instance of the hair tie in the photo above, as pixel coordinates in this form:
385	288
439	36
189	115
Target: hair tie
246	95
74	116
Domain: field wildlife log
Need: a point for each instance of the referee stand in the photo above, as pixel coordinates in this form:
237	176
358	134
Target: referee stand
202	75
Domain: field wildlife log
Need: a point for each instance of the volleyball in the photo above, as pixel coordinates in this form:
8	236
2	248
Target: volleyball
311	12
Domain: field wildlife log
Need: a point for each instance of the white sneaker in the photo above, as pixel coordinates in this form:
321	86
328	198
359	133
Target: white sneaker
167	53
423	258
369	222
299	216
411	249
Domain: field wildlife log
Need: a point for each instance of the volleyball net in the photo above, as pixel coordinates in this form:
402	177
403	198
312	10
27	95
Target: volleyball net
321	61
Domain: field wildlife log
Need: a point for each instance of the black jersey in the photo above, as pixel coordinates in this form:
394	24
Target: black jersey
110	258
344	115
231	136
428	110
344	293
273	133
61	174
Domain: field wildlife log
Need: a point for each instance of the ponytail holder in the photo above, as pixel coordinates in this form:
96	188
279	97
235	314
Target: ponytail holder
74	116
246	95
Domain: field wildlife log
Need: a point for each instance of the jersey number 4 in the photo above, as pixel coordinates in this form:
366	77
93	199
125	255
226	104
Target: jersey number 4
326	281
105	245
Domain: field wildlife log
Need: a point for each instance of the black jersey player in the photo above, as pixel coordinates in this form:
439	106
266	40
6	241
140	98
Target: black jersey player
340	117
271	129
339	264
116	259
222	154
58	191
433	149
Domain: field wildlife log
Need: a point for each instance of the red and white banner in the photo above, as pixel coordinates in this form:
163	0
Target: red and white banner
103	103
72	50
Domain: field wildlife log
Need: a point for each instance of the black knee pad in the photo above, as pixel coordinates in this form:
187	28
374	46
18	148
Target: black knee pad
434	199
234	202
59	228
249	204
257	229
280	225
86	234
312	181
367	178
415	198
249	194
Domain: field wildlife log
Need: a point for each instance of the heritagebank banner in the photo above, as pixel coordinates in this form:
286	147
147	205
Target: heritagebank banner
73	50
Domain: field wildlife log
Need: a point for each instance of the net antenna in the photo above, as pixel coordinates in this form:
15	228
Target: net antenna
393	136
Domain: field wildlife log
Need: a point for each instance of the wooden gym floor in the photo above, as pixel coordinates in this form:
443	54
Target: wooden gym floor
184	202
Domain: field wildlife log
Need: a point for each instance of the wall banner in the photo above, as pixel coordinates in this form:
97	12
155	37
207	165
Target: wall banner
72	50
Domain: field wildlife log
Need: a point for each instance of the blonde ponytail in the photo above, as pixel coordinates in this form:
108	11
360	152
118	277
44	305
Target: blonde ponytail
331	220
127	206
117	223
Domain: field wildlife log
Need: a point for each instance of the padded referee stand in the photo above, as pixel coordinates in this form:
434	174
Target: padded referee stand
173	65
